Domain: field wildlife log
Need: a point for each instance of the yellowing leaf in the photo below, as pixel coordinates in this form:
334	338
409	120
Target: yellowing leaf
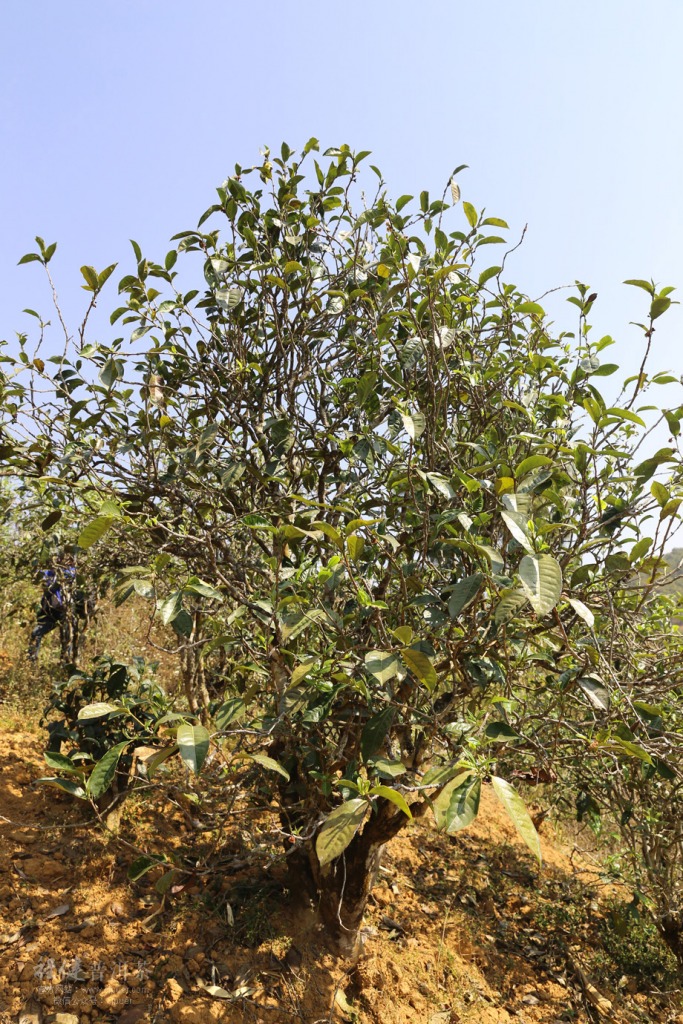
541	577
457	805
582	611
394	796
339	828
383	665
414	424
193	744
301	671
516	808
420	665
355	545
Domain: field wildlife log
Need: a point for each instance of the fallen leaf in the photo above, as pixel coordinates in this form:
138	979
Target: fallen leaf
390	925
64	908
344	1005
20	936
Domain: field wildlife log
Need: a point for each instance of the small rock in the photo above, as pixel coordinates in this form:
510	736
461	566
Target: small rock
173	991
132	1015
41	869
81	1001
113	997
116	909
23	838
65	1018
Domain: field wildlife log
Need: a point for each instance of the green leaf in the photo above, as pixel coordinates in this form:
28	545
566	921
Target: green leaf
105	275
508	606
530	307
230	711
659	306
109	373
463	593
533	462
91	282
257	522
67	785
421	667
457	805
144	588
301	671
383	665
440	774
516	808
153	762
270	763
171	607
193	744
329	531
625	414
471	214
141	865
631	749
500	732
606	370
339	828
96	710
383	766
541	577
375	731
110	509
640	549
404	634
660	493
60	762
441	484
50	520
671	508
196	586
104	771
487	274
647	286
394	796
163	884
355	546
94	531
182	624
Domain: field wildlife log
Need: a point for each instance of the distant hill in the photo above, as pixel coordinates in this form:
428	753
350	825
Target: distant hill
674	558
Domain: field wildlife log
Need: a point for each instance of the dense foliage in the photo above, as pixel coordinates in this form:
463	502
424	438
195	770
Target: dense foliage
403	539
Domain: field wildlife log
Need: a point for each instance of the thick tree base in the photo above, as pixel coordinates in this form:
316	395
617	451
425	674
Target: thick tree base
340	890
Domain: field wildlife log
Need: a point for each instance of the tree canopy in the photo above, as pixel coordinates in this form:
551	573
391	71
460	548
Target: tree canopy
404	541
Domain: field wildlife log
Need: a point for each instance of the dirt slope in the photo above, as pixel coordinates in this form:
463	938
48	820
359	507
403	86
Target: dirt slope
459	930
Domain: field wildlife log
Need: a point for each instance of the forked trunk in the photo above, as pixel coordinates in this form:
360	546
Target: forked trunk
345	885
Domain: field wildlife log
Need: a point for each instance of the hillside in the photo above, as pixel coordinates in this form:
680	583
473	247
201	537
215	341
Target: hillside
459	930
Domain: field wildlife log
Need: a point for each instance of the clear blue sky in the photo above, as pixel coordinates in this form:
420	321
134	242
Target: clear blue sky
119	118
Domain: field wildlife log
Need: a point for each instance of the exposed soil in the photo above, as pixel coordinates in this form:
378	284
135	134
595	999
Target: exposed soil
459	929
